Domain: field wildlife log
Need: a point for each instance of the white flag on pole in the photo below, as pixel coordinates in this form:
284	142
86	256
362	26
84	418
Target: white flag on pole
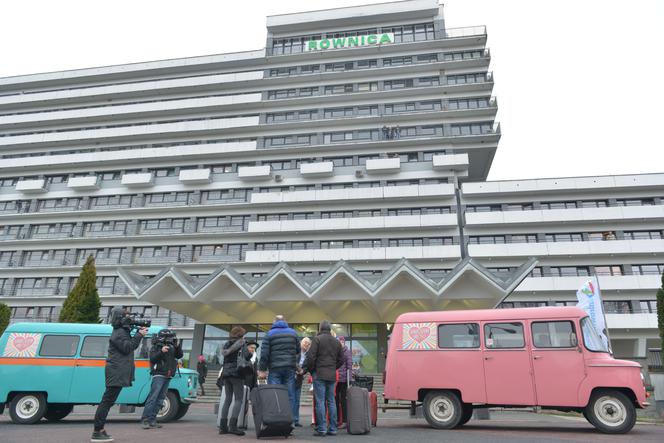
590	300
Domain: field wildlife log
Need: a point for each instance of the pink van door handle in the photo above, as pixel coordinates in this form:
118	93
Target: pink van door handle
537	357
488	358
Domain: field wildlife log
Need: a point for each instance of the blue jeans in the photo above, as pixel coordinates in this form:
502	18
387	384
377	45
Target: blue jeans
296	408
324	394
286	377
156	397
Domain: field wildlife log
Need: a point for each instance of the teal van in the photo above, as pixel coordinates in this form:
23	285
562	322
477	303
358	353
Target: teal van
47	368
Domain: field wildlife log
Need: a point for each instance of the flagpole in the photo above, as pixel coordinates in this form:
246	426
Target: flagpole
606	324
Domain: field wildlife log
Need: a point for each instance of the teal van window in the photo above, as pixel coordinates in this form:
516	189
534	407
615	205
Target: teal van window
95	347
59	345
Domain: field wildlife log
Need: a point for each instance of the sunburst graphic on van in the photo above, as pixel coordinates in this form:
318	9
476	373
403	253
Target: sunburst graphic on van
419	336
21	345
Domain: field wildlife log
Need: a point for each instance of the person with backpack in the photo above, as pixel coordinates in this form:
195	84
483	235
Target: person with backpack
323	359
233	381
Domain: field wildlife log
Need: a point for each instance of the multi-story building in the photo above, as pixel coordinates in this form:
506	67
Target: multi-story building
338	173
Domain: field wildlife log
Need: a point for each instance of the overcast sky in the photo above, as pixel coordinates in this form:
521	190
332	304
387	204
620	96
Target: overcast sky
579	83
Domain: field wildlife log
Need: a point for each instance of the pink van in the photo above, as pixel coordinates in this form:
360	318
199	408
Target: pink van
454	361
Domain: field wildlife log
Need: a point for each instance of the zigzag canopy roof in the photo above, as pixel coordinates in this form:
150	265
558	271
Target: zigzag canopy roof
341	294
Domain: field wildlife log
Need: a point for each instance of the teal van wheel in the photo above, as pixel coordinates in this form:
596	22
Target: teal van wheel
182	411
55	411
27	408
170	407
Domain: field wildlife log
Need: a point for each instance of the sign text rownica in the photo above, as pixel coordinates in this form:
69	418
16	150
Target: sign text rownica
349	42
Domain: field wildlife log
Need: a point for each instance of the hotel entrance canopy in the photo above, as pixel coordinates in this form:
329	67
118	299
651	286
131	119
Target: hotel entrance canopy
340	295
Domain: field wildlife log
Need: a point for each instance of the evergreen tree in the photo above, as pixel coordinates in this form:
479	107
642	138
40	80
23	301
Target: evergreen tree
5	314
82	304
660	313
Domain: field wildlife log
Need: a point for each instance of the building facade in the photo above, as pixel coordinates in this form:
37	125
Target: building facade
338	173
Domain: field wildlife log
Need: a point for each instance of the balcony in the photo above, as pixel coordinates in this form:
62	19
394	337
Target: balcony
31	186
410	191
319	169
141	179
45	263
50	235
162	231
215	258
634	322
619	213
102	234
383	165
195	176
162	259
215	229
452	162
354	223
36	292
570	285
254	172
557	249
102	261
84	183
559	185
173	153
354	254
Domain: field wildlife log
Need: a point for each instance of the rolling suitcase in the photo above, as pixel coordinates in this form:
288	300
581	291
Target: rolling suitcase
359	410
272	411
244	410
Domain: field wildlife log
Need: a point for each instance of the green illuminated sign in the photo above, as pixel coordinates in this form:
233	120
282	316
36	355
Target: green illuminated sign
349	42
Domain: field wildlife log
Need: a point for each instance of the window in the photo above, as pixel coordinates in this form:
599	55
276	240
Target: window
465	335
503	335
591	338
554	334
59	346
95	347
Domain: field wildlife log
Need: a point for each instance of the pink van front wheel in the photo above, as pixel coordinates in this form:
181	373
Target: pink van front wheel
611	412
442	409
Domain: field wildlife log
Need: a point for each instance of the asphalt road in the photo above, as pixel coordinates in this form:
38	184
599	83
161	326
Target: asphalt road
198	426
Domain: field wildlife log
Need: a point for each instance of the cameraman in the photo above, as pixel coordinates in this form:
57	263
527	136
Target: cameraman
119	367
164	355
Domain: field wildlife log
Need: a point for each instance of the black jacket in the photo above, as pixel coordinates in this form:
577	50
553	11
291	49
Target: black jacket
324	357
202	369
121	347
280	348
231	352
251	379
164	363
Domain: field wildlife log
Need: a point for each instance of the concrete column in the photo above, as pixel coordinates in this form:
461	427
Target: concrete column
382	346
196	344
640	348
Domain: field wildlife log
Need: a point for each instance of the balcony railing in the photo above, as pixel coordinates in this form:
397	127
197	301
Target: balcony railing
467	31
35	292
655	360
96	234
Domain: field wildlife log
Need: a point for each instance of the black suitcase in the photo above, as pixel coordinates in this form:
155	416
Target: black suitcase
359	410
272	411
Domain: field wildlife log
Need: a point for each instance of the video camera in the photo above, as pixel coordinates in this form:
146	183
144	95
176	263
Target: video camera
165	337
136	321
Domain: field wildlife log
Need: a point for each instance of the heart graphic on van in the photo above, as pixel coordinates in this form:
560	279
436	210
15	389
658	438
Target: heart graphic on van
23	343
419	334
